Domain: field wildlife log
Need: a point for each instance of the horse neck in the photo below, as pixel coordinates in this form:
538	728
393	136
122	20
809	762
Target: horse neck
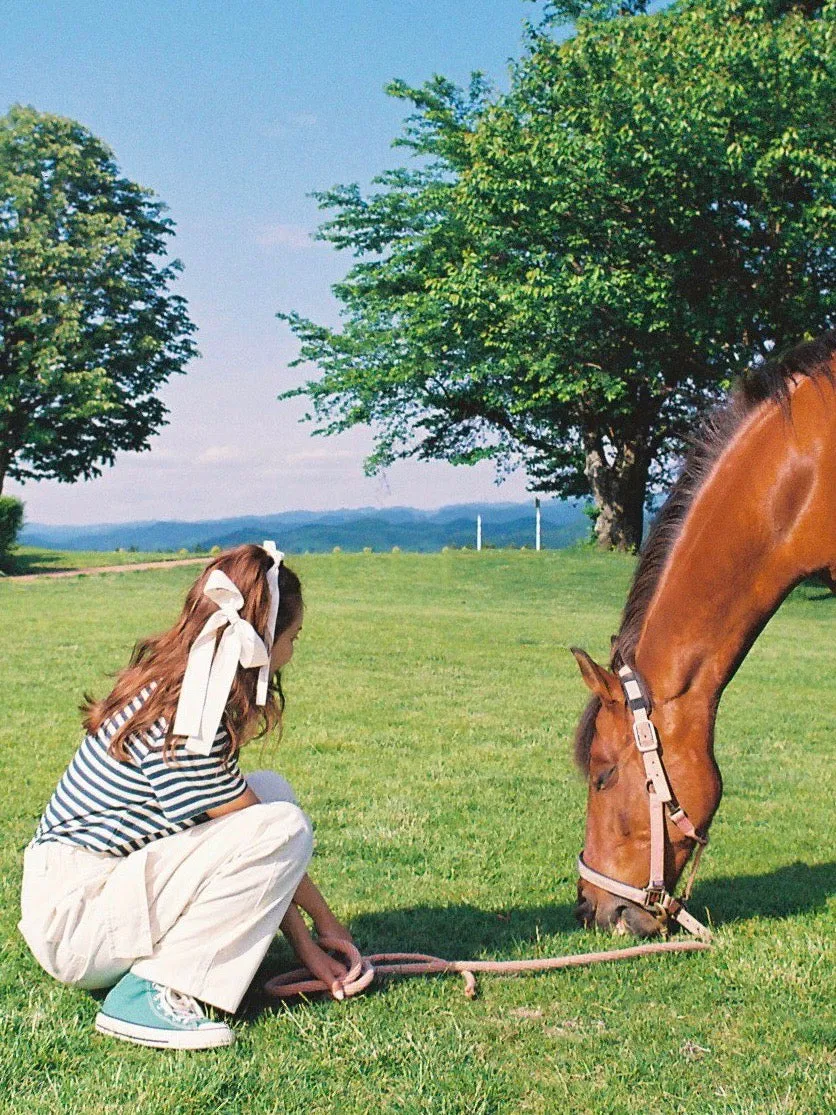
761	521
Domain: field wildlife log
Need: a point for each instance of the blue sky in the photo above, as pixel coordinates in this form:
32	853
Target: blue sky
233	114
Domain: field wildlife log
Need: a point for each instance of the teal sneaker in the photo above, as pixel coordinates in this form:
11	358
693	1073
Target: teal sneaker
148	1013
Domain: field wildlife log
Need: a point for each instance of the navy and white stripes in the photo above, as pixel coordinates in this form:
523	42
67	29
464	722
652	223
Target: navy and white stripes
117	807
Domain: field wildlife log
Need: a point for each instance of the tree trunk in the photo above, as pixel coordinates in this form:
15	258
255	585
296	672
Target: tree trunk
618	489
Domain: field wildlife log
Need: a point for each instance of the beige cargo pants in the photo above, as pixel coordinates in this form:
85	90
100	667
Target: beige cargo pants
195	911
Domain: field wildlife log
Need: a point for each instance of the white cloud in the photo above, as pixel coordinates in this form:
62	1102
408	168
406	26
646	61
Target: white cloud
295	237
290	122
221	455
320	456
303	119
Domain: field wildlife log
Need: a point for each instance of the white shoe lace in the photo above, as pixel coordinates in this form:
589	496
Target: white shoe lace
179	1007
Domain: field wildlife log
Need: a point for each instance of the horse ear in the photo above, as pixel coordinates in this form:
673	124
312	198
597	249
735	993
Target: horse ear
601	682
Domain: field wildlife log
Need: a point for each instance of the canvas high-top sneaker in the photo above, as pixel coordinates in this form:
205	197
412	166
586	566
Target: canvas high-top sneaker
149	1013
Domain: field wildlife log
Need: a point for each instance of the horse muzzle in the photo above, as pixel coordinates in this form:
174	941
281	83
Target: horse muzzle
598	909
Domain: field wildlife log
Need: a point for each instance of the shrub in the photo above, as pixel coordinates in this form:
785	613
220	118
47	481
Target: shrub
11	520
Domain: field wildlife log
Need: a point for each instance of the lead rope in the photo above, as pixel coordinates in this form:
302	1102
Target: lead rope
692	874
364	969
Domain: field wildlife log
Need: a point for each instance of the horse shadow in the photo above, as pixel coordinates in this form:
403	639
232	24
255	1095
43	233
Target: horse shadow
796	888
461	931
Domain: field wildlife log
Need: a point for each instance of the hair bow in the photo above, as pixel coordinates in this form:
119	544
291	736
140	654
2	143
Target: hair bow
210	672
273	582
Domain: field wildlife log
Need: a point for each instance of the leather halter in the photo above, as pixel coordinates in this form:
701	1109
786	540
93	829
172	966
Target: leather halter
654	897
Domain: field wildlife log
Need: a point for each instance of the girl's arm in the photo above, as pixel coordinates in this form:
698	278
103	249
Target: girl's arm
309	897
241	802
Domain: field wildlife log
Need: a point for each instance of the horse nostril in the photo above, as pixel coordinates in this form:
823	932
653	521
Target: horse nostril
585	912
603	914
641	923
610	918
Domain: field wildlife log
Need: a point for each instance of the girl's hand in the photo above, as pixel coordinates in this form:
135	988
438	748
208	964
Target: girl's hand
315	959
325	968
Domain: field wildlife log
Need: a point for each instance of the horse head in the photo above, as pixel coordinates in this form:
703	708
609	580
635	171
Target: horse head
617	844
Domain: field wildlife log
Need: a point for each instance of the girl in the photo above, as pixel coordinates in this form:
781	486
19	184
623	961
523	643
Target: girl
157	869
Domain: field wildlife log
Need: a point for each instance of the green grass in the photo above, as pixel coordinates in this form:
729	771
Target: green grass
430	709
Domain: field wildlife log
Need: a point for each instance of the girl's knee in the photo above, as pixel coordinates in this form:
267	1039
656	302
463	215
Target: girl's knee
304	830
269	785
287	825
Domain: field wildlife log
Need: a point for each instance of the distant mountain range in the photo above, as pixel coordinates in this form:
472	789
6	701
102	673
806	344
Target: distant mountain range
503	524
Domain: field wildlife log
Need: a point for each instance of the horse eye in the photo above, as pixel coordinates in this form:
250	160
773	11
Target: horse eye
603	778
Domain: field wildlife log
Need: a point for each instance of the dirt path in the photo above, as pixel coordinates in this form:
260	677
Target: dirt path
128	567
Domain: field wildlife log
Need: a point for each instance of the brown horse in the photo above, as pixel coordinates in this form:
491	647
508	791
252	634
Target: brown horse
753	514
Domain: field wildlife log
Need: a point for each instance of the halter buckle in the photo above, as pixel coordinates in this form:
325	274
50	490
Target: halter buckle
645	736
654	897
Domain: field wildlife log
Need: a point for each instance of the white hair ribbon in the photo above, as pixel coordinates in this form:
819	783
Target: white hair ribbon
273	582
210	672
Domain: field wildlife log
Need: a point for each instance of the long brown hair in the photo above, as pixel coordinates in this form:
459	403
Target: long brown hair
160	660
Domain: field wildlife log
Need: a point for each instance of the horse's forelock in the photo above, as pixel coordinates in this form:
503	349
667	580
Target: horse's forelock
585	733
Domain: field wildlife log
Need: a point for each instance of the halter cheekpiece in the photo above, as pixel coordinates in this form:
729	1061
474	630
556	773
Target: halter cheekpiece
213	662
661	801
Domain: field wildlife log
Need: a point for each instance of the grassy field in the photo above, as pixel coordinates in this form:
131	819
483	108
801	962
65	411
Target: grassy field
430	709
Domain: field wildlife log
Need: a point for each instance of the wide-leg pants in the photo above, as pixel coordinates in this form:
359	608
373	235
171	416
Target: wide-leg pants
195	911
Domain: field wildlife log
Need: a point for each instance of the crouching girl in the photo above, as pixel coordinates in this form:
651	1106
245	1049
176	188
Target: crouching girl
157	869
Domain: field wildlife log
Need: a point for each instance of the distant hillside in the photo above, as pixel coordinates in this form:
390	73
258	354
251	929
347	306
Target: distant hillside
503	524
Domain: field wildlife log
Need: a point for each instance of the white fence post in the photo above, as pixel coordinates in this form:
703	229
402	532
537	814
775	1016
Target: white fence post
537	532
478	532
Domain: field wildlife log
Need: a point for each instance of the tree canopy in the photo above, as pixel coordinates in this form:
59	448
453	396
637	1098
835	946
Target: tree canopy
89	329
569	274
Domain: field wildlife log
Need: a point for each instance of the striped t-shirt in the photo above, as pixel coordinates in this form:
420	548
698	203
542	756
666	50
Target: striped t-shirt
117	807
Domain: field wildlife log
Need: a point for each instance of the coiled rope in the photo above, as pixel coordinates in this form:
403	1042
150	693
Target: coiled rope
363	969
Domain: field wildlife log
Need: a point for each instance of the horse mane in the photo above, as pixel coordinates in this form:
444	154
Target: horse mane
767	382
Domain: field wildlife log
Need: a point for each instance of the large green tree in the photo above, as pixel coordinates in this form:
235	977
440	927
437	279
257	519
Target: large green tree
89	327
570	273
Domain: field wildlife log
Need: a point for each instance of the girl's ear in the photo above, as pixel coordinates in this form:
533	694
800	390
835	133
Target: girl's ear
601	682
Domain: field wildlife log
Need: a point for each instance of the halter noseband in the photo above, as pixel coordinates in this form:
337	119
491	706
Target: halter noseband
654	897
